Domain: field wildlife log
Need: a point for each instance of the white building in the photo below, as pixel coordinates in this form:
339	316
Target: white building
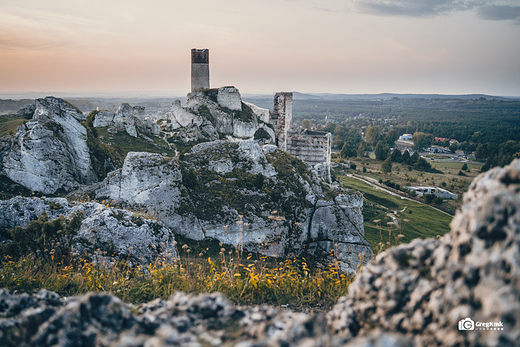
405	137
441	193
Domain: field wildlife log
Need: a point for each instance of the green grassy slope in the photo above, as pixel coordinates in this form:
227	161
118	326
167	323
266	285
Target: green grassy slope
422	220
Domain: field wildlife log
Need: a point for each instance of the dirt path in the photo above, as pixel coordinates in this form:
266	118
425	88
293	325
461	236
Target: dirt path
372	183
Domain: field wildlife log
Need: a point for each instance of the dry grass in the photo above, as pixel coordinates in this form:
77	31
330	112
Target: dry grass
252	279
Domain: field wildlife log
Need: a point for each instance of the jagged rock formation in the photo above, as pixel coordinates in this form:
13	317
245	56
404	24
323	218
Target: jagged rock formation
126	118
424	289
213	113
49	152
228	191
121	231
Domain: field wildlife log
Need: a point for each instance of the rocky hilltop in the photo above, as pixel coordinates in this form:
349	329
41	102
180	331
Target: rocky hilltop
411	295
239	191
242	194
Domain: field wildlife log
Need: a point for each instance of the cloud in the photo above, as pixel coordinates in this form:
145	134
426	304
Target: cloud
415	8
486	9
494	12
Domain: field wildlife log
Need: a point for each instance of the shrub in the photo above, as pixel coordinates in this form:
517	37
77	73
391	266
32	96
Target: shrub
259	181
190	179
51	240
261	134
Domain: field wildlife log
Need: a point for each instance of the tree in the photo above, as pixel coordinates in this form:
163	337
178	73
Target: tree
464	167
415	157
345	151
421	140
453	147
306	124
467	148
381	151
372	135
405	158
481	152
396	156
487	165
361	150
391	136
339	130
386	166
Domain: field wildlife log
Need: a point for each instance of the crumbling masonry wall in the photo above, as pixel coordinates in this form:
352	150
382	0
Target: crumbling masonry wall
312	147
282	118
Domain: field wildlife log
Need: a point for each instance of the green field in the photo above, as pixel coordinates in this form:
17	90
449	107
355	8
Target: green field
422	220
453	165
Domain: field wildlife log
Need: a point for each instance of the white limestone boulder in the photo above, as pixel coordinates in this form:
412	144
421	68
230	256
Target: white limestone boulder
103	227
50	152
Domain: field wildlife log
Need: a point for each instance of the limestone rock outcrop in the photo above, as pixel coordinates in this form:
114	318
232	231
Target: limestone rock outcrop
49	152
426	288
122	120
126	233
229	190
213	112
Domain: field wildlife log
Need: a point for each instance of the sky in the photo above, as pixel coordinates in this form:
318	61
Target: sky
261	47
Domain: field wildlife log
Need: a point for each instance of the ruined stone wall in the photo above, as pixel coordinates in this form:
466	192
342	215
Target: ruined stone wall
199	69
282	117
313	147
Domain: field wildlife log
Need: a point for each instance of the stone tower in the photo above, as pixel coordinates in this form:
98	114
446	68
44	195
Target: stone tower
199	69
282	117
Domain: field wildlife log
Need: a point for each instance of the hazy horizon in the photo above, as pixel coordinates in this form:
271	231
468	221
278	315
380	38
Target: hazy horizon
449	47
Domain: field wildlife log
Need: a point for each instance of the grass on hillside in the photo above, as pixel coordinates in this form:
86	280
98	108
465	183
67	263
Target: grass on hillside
454	165
129	143
244	279
8	125
44	255
414	220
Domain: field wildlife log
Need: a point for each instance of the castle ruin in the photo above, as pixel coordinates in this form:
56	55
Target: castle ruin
313	147
199	70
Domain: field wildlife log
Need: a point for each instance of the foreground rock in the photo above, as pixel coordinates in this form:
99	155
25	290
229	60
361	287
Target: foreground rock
106	229
49	152
241	194
426	288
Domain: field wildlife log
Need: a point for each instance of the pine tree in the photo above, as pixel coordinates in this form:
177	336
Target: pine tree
386	166
361	150
345	151
380	151
396	156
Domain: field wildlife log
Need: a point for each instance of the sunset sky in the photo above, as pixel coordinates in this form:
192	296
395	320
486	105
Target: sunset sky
261	46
